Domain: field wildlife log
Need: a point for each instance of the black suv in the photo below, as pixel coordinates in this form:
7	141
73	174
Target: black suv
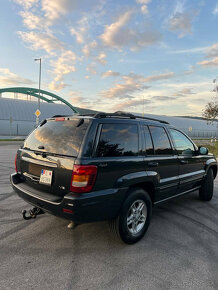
109	167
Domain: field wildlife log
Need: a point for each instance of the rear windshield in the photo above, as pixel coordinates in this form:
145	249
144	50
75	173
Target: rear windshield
58	137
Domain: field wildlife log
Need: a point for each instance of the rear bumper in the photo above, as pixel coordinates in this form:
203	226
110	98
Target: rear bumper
86	207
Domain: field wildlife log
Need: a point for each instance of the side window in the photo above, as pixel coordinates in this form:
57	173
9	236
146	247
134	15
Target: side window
118	140
161	141
148	142
182	144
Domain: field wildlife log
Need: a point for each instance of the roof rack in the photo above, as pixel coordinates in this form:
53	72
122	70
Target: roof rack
120	114
84	115
74	115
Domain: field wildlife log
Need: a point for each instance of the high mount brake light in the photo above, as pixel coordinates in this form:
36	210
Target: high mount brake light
60	119
83	178
15	162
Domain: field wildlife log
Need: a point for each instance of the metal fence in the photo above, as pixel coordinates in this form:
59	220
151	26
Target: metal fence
15	128
195	133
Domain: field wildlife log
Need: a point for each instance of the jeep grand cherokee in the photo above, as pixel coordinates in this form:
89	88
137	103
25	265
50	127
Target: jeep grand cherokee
112	167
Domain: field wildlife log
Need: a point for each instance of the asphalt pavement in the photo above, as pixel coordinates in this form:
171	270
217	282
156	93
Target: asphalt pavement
179	250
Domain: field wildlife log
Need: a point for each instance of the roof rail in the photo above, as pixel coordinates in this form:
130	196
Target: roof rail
117	114
84	115
153	119
120	114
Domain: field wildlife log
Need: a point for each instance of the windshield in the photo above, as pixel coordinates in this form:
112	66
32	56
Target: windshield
58	137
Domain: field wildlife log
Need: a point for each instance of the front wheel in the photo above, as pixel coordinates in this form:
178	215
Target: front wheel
134	218
206	190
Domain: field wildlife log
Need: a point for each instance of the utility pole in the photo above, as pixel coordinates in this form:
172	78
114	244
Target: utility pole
40	65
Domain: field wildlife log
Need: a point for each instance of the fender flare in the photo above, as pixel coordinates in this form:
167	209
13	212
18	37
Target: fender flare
211	163
130	179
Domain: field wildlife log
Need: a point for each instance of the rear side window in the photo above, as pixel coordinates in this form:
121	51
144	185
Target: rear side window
58	137
161	141
118	140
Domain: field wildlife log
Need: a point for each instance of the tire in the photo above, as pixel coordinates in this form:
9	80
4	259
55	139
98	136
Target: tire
206	190
134	218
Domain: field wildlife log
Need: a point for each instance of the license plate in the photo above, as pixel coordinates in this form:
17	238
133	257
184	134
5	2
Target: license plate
45	177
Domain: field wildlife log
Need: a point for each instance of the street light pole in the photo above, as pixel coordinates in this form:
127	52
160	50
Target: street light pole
40	64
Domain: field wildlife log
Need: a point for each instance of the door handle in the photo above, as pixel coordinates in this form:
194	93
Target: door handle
153	164
183	161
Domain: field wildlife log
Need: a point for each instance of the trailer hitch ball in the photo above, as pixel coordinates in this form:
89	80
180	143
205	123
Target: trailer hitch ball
32	213
24	215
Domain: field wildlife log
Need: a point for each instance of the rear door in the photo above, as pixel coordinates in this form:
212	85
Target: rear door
48	154
191	168
117	152
161	161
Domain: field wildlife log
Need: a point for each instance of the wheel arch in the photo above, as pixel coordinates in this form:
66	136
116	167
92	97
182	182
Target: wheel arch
148	186
214	168
211	163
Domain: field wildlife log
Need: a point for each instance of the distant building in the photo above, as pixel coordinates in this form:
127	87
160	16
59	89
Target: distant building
17	118
193	127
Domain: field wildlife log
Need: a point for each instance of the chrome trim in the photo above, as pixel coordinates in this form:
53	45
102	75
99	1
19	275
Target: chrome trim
192	174
163	187
39	162
170	179
179	177
35	196
33	177
179	194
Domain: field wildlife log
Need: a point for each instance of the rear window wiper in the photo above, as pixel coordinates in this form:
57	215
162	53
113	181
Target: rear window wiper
42	123
44	154
27	148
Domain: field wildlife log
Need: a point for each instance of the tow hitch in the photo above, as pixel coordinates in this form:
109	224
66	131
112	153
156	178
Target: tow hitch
32	213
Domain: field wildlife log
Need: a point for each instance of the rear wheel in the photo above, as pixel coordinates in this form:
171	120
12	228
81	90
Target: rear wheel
134	218
206	190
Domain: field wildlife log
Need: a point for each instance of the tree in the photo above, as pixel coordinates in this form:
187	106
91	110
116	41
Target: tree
210	111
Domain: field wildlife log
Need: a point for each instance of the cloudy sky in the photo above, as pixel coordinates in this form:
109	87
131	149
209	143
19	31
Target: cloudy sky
111	54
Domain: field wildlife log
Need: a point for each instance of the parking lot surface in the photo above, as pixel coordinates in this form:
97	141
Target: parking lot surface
179	250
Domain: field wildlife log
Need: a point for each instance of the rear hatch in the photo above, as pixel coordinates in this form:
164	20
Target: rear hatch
47	157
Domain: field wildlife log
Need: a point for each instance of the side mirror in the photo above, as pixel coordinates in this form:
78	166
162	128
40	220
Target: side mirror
203	150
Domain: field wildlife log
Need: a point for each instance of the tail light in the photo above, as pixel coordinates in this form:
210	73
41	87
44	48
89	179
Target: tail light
15	162
83	178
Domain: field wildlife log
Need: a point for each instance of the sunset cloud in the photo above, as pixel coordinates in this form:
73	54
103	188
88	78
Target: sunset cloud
130	104
41	41
110	73
181	20
131	84
118	34
115	54
64	65
7	78
215	10
32	21
211	57
26	3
